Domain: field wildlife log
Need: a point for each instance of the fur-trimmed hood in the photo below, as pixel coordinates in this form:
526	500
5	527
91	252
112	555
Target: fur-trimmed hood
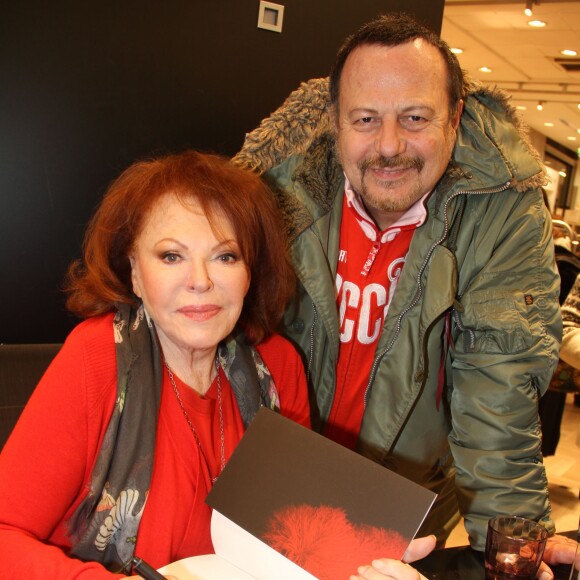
304	119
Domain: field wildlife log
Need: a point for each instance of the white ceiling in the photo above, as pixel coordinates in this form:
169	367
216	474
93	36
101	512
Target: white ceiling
496	34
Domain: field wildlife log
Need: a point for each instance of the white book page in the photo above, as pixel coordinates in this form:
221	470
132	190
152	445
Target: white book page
241	548
239	556
208	567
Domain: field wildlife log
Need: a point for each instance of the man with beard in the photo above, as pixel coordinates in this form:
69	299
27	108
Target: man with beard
427	311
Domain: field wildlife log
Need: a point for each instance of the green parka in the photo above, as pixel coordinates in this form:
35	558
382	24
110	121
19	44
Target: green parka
481	266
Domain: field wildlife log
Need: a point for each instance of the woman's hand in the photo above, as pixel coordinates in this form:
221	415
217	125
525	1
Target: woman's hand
559	550
389	568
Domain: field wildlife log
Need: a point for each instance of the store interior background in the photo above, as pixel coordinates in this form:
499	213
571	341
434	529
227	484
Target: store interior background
501	49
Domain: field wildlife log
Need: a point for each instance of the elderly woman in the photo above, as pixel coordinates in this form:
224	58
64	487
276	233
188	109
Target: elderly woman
183	282
184	279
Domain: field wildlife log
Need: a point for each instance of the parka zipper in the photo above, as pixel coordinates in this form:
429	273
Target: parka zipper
419	292
311	353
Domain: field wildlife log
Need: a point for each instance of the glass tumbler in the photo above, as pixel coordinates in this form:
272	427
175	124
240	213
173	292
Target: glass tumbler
514	548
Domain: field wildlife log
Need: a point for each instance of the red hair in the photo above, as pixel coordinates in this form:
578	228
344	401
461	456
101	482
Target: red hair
102	278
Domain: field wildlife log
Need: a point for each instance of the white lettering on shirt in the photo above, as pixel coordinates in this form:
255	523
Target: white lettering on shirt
395	268
379	294
367	306
350	297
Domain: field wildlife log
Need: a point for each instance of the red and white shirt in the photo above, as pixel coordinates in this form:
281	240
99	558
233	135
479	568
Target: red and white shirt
369	264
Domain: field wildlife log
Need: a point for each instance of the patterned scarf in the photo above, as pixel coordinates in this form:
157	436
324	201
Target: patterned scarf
105	525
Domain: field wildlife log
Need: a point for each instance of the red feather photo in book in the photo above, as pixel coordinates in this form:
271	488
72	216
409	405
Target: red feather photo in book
325	543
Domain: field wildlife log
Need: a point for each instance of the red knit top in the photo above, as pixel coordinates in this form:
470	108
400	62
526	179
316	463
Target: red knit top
46	464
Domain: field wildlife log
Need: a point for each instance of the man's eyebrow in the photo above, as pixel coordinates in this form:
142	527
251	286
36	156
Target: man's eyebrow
417	107
359	110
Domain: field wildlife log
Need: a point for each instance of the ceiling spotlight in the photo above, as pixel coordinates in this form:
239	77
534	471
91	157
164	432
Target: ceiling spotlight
528	8
548	124
456	50
568	52
540	106
537	23
484	69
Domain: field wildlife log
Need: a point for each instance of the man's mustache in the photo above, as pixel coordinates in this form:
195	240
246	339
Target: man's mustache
403	162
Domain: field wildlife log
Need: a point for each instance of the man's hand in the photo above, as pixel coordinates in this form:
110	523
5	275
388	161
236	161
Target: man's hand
559	550
388	568
419	548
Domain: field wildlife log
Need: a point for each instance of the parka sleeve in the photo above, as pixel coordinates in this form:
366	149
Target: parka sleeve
507	328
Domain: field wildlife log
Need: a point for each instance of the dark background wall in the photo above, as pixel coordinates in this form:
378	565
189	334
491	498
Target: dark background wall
87	87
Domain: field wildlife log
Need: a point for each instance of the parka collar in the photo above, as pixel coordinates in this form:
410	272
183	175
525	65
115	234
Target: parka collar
493	145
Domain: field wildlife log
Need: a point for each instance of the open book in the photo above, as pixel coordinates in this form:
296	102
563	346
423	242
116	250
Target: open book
291	504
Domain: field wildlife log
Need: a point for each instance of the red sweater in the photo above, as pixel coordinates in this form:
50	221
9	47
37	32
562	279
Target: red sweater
46	464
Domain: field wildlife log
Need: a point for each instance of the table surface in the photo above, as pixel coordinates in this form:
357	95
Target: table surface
466	564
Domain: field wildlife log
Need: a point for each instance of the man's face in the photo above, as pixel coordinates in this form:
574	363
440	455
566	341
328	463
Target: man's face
394	132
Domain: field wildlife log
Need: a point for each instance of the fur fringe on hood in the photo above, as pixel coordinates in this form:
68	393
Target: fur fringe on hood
499	100
290	130
306	116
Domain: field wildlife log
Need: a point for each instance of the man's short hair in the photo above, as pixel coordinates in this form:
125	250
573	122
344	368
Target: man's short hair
392	30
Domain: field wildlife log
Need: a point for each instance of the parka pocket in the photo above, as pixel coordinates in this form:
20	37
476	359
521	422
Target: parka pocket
494	322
